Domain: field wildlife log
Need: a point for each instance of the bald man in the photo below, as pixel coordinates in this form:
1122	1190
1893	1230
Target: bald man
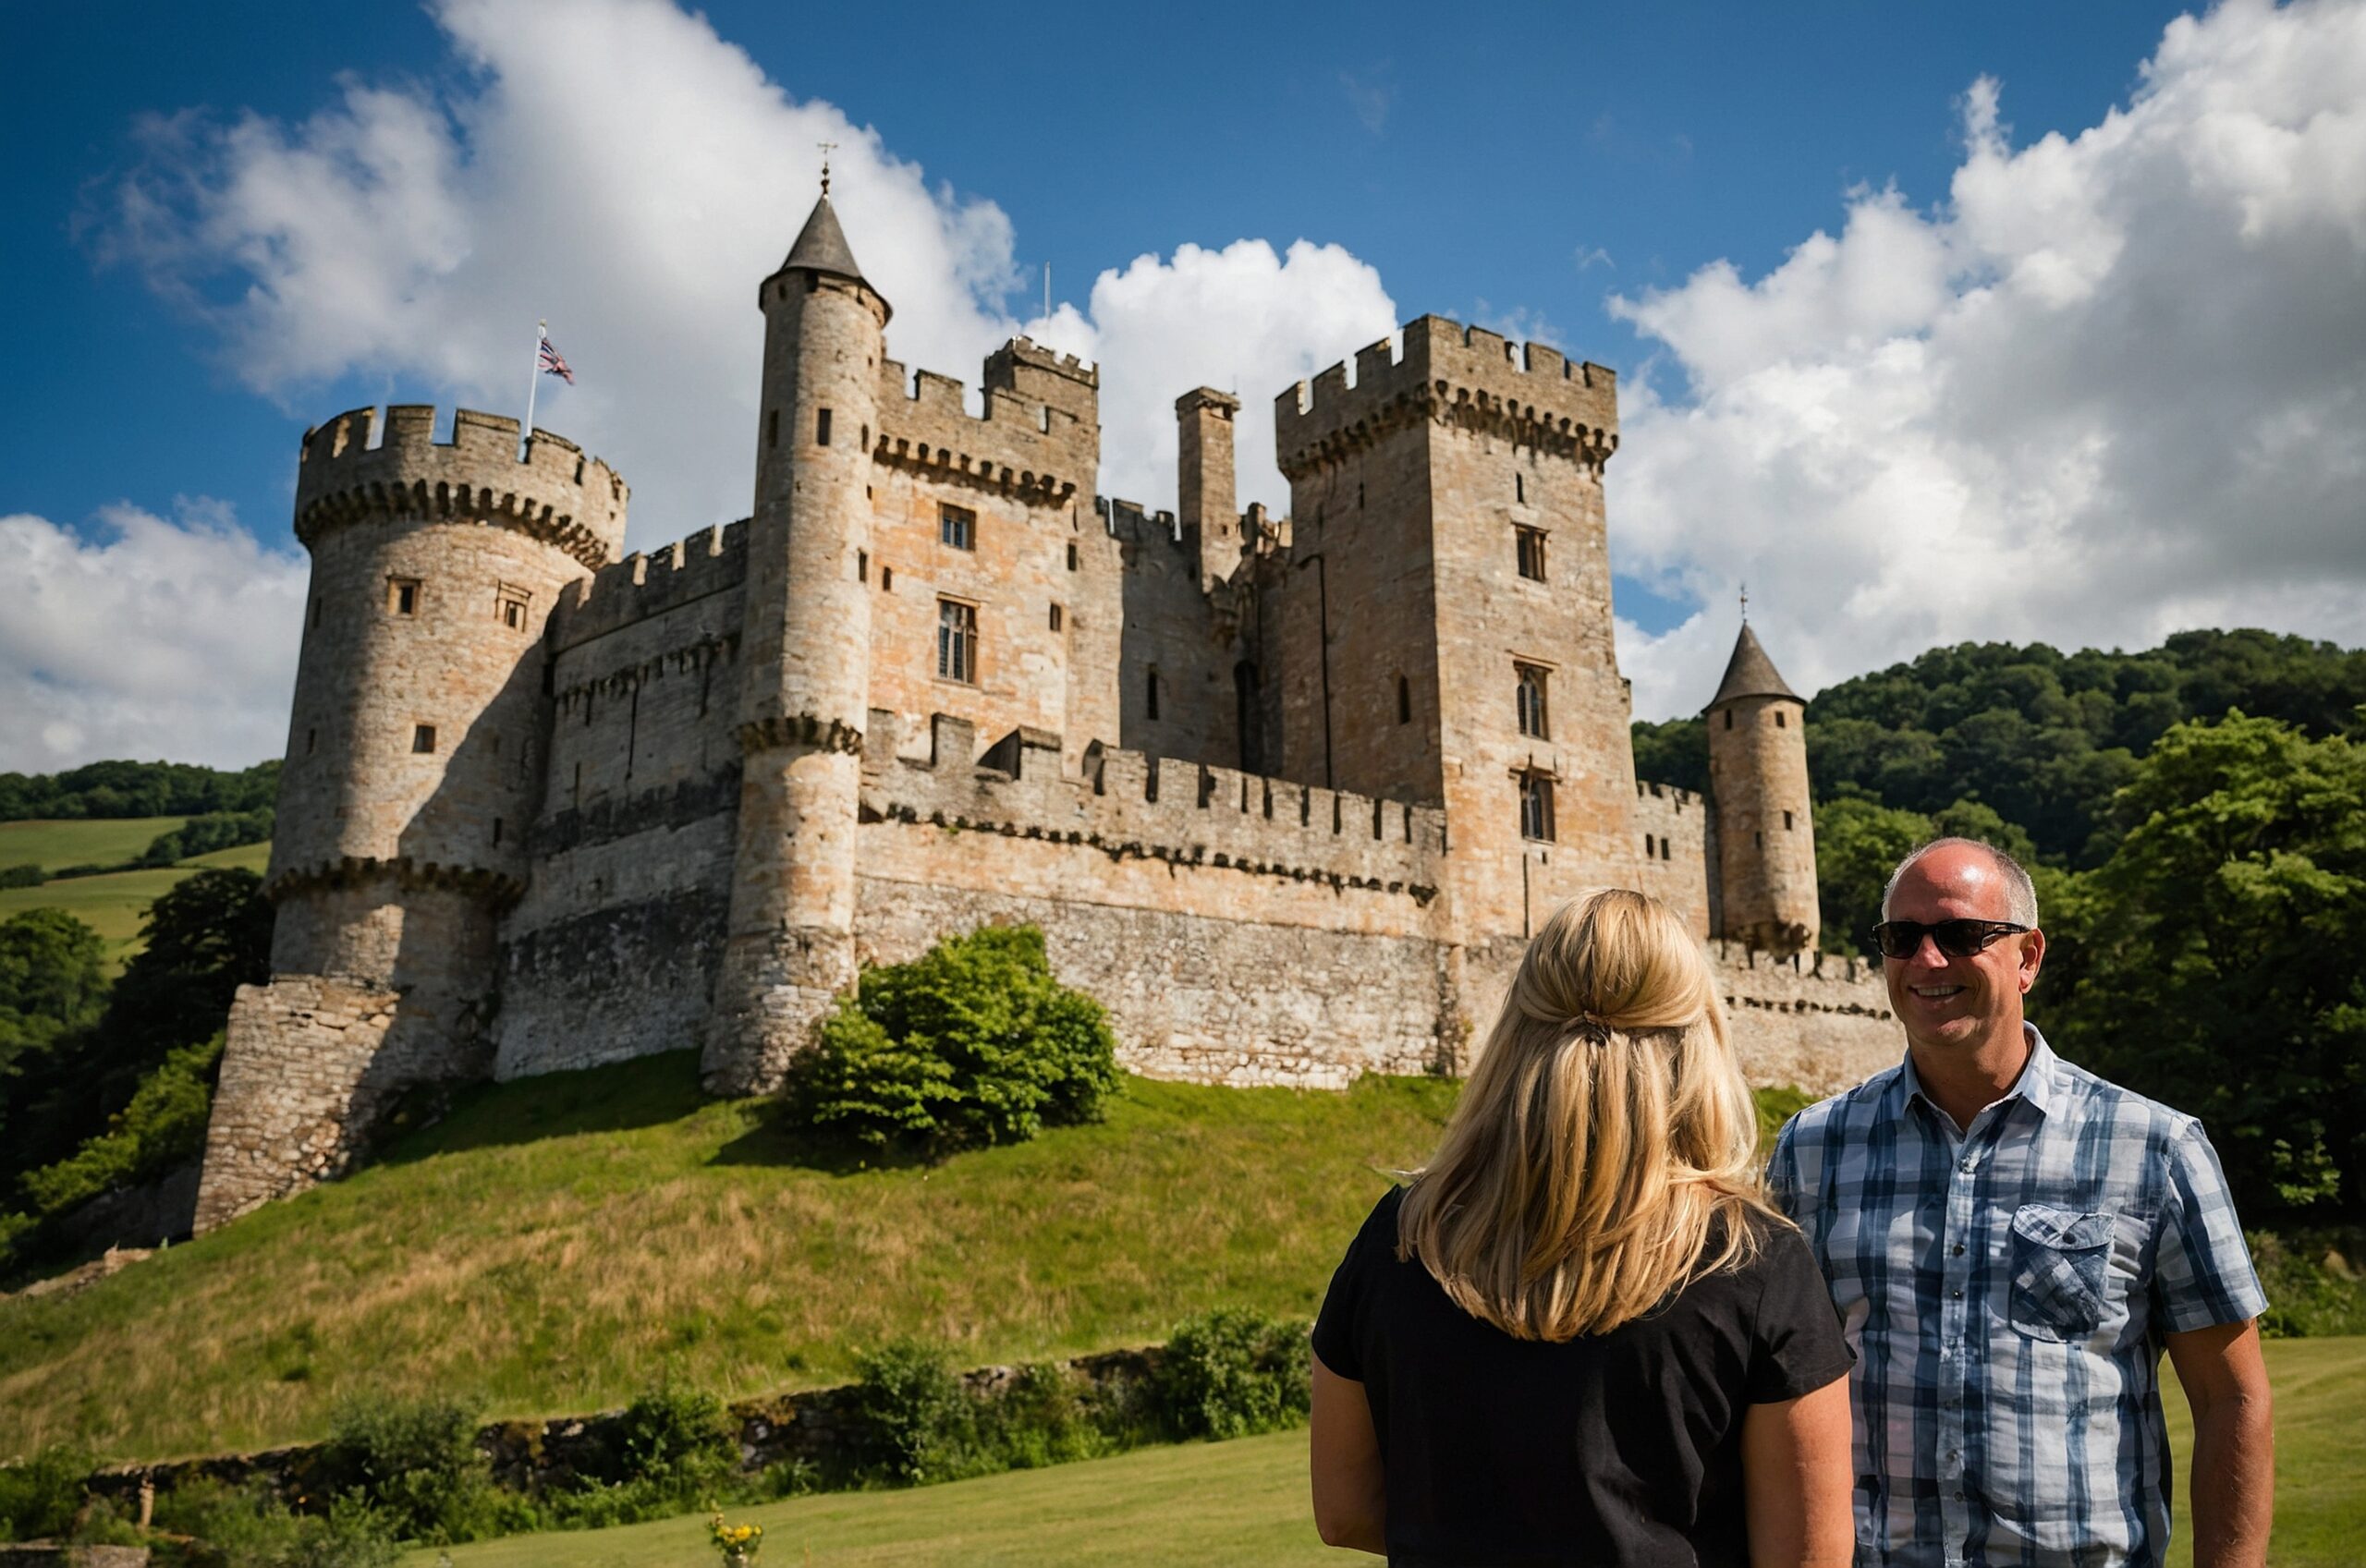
2011	1243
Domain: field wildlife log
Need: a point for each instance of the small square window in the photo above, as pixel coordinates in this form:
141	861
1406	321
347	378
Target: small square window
422	739
1536	807
1532	552
956	526
822	428
956	640
402	595
1071	557
1056	617
510	605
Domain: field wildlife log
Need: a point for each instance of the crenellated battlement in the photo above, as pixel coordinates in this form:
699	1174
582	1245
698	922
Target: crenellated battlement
1527	393
1027	370
1038	438
1129	806
712	560
553	492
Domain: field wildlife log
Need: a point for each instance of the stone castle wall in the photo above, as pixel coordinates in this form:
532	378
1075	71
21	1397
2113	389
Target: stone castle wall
551	809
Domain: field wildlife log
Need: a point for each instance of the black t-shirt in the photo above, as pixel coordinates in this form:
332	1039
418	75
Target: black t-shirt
1619	1448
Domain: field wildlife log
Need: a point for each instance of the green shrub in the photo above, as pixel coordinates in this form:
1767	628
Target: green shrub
674	1436
250	1527
163	1126
1233	1372
2312	1287
1040	1416
1777	1106
416	1460
41	1497
972	1043
28	874
916	1423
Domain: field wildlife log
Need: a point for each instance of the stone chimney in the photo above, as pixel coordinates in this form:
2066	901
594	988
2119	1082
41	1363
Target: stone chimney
1205	501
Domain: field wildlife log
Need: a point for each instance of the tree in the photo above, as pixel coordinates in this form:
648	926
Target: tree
206	936
53	979
2211	962
1858	842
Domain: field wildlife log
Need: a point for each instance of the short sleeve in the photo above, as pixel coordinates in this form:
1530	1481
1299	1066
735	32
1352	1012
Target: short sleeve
1796	1345
1335	1325
1795	1176
2202	1274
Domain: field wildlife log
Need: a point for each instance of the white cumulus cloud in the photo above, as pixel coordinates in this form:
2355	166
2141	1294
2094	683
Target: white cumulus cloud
154	638
632	177
2112	386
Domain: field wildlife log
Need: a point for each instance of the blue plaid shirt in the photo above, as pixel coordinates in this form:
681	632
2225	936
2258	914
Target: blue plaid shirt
2006	1288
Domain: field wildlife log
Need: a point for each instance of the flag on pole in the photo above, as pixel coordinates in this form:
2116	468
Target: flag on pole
554	363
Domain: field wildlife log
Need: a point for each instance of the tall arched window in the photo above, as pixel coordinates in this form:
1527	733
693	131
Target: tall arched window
1533	719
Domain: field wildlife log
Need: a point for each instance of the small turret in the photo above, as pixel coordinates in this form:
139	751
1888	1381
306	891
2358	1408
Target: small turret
1758	774
806	641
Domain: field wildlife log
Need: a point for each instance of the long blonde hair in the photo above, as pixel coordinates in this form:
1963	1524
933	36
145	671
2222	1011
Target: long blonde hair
1603	1135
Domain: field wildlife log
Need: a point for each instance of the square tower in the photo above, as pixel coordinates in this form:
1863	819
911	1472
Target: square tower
1454	643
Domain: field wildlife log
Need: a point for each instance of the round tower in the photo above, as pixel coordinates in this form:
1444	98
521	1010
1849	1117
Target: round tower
1758	776
805	654
412	770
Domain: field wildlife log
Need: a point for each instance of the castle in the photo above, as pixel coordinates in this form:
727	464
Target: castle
1286	794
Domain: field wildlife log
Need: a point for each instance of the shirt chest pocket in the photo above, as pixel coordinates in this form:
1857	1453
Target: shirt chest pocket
2061	1263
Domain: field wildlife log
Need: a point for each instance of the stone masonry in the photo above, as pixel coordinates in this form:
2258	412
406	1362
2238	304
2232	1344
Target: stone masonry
1287	794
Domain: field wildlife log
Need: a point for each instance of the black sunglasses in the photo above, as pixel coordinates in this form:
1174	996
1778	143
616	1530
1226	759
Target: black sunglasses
1956	939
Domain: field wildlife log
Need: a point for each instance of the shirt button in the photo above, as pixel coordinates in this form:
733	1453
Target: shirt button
1956	1249
1956	1293
1970	1163
1958	1496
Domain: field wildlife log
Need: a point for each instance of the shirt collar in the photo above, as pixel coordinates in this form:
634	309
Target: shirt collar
2036	1084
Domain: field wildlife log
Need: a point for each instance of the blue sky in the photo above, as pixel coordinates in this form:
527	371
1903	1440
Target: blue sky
1568	172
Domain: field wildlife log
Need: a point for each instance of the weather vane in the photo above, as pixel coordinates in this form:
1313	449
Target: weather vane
1745	604
827	147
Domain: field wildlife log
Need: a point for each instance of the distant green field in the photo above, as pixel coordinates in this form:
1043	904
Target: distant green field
55	844
113	905
1246	1503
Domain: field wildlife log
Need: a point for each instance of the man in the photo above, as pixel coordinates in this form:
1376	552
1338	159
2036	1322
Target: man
2011	1242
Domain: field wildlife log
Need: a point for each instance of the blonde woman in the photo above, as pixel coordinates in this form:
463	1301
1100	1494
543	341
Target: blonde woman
1581	1335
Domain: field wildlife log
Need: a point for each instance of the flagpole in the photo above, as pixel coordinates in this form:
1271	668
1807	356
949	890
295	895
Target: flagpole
534	379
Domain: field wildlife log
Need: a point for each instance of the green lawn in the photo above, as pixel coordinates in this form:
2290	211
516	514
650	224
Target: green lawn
562	1242
1245	1502
113	905
1242	1504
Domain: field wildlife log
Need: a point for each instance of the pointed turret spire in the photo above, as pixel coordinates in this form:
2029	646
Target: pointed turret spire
822	244
1749	672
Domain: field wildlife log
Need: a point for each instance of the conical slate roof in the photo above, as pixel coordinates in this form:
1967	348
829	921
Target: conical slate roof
1750	673
822	245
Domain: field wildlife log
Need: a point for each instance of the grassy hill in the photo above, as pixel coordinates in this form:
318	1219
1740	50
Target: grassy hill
113	905
562	1242
1246	1503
